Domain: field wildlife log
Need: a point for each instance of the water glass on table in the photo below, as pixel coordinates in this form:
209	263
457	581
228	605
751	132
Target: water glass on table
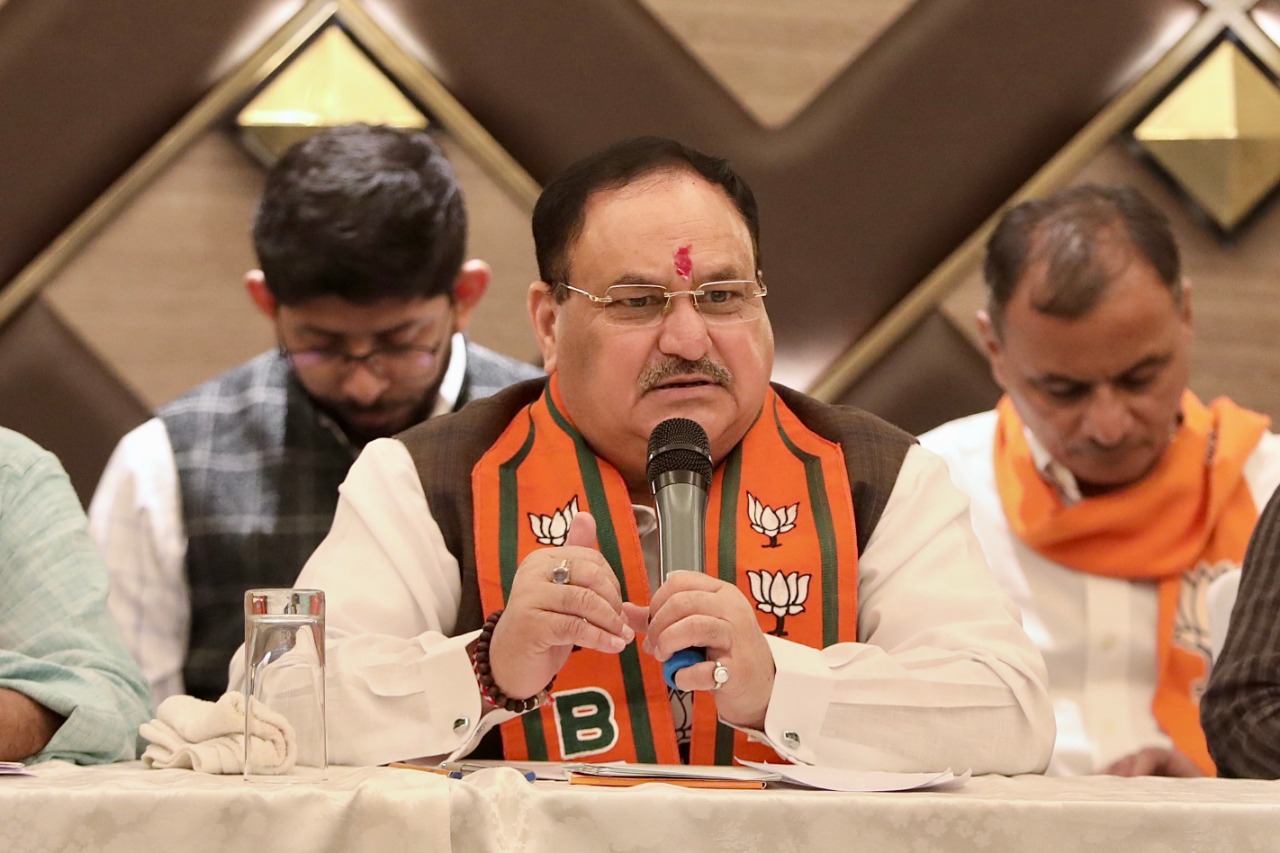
284	671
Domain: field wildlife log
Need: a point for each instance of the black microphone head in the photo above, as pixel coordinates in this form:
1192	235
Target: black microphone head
679	444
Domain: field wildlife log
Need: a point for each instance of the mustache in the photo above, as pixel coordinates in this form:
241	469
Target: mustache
655	375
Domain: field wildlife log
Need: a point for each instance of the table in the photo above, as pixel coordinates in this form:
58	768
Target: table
126	808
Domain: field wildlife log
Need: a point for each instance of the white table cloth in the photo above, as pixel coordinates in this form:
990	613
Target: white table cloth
125	808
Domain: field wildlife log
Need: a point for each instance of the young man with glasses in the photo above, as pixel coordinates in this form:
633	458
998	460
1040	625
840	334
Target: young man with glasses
360	234
492	572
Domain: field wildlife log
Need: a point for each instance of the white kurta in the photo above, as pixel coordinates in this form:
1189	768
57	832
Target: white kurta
1097	634
945	677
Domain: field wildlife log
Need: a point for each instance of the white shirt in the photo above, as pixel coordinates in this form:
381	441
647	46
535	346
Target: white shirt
945	677
135	519
1097	634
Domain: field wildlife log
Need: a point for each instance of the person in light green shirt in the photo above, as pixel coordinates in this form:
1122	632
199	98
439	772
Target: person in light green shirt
68	687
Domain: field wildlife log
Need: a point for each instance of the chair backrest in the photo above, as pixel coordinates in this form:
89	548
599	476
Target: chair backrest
1220	598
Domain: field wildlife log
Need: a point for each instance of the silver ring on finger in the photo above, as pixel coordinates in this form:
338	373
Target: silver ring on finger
560	574
719	675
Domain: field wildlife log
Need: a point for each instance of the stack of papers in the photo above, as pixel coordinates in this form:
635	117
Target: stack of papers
13	768
752	775
859	781
756	775
687	776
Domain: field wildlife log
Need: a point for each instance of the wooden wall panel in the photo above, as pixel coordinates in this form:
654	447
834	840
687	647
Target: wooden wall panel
931	376
56	390
872	185
86	88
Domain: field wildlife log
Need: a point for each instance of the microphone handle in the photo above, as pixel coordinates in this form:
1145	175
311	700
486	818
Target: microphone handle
682	518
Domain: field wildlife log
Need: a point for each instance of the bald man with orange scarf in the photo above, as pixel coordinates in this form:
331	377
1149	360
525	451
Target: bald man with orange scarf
1106	495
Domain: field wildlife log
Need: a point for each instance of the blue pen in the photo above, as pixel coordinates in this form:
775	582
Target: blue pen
466	767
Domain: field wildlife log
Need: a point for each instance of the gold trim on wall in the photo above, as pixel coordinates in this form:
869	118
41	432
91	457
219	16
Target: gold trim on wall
330	82
1217	135
834	383
459	123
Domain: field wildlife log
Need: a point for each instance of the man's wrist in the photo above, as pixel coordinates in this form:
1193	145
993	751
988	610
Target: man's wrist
26	726
489	690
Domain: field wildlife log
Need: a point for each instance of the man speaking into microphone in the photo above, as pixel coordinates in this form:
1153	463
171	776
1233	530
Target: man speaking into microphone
497	570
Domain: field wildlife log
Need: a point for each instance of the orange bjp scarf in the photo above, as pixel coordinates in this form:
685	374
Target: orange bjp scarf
1190	514
780	514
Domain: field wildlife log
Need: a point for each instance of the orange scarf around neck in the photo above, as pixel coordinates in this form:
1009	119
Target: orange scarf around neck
780	514
1177	526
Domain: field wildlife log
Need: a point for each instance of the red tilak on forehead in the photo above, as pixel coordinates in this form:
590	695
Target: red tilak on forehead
684	266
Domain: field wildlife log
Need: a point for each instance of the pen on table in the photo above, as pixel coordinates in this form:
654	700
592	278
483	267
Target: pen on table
465	767
427	768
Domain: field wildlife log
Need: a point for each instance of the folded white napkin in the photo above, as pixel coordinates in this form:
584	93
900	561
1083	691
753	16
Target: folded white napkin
209	736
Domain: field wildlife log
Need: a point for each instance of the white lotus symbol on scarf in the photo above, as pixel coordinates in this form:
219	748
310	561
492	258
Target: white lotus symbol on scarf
1191	622
553	529
769	521
779	594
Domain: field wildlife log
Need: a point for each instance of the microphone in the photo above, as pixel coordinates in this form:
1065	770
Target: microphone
680	474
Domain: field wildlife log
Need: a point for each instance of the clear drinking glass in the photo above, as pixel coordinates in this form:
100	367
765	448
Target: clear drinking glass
284	670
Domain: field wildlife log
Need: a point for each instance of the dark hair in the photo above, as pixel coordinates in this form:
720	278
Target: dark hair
1066	229
558	215
362	213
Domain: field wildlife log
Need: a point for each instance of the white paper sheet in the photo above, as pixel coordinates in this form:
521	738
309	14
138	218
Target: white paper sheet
856	781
